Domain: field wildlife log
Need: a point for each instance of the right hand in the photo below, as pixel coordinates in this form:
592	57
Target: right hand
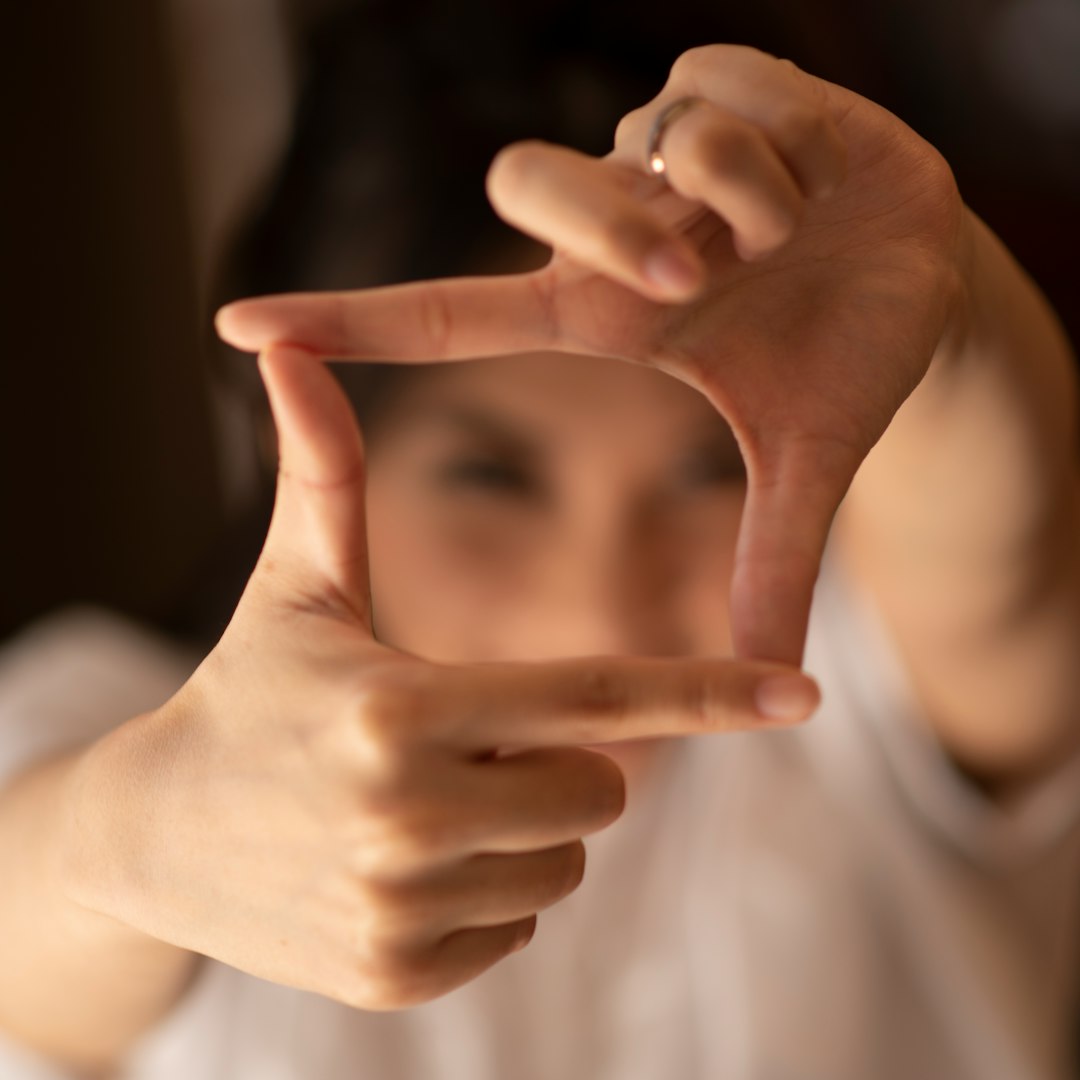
807	355
320	810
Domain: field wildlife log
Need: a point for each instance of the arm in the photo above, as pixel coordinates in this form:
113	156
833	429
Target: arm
116	982
964	526
315	808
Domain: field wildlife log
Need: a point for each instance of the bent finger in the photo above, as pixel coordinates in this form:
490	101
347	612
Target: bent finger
481	891
538	799
582	207
728	164
790	107
434	970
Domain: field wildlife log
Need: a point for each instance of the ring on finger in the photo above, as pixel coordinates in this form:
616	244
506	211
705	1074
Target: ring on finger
654	157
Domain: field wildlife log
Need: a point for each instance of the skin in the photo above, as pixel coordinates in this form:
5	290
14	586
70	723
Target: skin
357	827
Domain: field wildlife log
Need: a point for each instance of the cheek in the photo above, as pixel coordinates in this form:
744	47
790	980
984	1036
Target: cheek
475	581
704	540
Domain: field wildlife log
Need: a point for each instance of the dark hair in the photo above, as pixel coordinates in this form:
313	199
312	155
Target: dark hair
405	105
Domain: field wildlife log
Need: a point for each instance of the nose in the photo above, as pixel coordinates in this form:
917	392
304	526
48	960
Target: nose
619	589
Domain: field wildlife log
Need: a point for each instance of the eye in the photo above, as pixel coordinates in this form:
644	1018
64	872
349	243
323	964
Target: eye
488	474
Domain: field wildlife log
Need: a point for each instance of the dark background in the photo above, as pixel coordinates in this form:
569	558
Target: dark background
109	483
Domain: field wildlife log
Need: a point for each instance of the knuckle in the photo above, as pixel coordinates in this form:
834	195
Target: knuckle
601	694
392	915
700	704
628	128
699	58
390	706
436	320
356	991
387	698
384	833
392	845
701	714
385	986
724	150
799	125
412	978
618	235
428	839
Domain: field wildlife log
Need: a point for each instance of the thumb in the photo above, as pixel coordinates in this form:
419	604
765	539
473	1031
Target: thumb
786	520
318	527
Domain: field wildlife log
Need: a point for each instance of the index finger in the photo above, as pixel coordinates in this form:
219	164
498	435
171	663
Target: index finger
600	700
453	319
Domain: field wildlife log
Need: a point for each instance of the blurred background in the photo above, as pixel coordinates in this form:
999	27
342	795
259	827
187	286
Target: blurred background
167	155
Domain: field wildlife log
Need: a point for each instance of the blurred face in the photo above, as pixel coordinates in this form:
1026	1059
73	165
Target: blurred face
551	506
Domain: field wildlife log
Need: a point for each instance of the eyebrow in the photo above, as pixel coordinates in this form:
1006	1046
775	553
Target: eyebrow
485	423
712	436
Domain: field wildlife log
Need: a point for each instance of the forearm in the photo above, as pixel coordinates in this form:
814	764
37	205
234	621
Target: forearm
75	986
963	525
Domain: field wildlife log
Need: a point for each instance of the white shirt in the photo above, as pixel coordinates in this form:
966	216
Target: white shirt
831	902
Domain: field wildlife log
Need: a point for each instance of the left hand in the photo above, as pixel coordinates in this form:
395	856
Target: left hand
820	242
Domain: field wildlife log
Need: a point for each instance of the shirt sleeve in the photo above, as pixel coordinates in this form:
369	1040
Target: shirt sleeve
73	676
863	665
17	1064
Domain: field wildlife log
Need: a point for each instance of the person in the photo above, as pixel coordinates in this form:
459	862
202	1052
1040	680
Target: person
462	640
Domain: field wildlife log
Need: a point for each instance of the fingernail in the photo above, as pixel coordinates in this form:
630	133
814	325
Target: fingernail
525	935
786	697
673	271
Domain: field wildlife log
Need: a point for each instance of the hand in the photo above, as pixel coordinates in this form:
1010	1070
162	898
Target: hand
320	810
809	307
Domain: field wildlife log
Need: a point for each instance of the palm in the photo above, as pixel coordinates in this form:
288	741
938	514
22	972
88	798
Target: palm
823	341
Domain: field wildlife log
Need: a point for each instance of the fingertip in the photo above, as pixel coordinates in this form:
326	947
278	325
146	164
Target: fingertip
787	698
525	932
768	236
677	274
318	436
254	324
231	327
751	253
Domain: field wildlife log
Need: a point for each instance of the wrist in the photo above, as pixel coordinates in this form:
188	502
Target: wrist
76	985
95	853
